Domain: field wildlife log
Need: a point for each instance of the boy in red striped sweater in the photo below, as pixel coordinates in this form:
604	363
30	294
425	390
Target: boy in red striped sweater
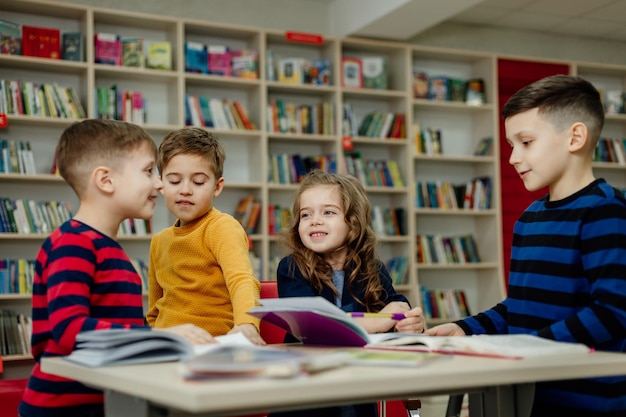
83	278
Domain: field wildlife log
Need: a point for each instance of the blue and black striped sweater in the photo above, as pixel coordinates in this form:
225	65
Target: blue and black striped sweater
568	283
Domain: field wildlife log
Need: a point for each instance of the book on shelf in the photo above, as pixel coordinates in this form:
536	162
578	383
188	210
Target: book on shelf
10	37
159	55
72	46
245	63
505	346
16	275
132	52
196	57
420	84
438	88
15	332
290	70
483	147
351	72
456	89
317	72
219	60
448	304
270	66
614	103
107	48
475	91
375	72
42	42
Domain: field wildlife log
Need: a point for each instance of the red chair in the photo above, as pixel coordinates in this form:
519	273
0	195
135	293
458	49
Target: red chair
11	391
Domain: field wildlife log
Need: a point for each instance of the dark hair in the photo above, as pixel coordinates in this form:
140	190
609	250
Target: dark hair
89	143
361	261
564	100
192	141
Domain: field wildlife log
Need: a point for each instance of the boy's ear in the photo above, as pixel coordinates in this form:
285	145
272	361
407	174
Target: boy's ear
102	179
579	137
219	186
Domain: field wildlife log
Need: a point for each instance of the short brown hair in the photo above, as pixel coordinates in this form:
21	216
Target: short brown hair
192	141
89	143
564	100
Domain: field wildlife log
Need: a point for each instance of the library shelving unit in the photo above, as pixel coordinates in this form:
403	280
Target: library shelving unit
251	152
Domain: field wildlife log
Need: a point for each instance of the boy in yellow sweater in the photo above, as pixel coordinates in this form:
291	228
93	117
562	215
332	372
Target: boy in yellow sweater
199	270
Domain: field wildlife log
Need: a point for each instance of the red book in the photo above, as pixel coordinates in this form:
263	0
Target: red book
108	49
41	42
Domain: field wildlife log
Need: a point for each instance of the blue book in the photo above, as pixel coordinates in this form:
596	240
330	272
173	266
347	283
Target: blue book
196	58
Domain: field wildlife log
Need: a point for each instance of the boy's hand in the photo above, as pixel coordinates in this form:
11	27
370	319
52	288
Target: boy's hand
194	334
448	329
251	333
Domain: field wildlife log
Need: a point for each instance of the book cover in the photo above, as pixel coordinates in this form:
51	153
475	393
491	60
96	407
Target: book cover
475	91
245	63
41	42
351	72
219	60
108	49
420	84
374	72
132	52
438	88
317	72
196	57
72	48
159	55
10	37
290	70
614	102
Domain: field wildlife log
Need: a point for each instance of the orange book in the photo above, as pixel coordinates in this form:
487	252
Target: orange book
243	115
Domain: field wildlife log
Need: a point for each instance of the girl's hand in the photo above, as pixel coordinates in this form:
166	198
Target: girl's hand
251	333
194	334
413	323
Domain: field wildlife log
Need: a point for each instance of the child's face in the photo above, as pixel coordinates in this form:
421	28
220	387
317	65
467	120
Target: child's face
322	226
189	187
139	184
540	152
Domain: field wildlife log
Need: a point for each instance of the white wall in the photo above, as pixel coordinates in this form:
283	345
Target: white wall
312	16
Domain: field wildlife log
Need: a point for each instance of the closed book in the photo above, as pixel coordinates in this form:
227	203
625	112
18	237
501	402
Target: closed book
159	55
72	46
196	57
132	52
107	49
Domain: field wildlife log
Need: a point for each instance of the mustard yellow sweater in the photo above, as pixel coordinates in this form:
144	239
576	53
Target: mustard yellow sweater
200	273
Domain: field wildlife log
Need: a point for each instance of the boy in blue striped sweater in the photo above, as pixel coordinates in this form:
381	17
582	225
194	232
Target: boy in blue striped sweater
568	259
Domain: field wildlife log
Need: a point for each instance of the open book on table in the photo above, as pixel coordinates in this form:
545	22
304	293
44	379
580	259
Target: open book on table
316	321
510	346
131	346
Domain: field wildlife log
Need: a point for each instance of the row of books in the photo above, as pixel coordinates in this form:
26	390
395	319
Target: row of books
221	60
135	227
383	125
397	267
389	221
448	304
31	216
299	70
474	194
439	249
279	219
15	333
17	275
428	140
40	99
301	118
112	49
113	103
17	157
290	169
444	88
204	111
364	72
610	150
373	172
248	212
